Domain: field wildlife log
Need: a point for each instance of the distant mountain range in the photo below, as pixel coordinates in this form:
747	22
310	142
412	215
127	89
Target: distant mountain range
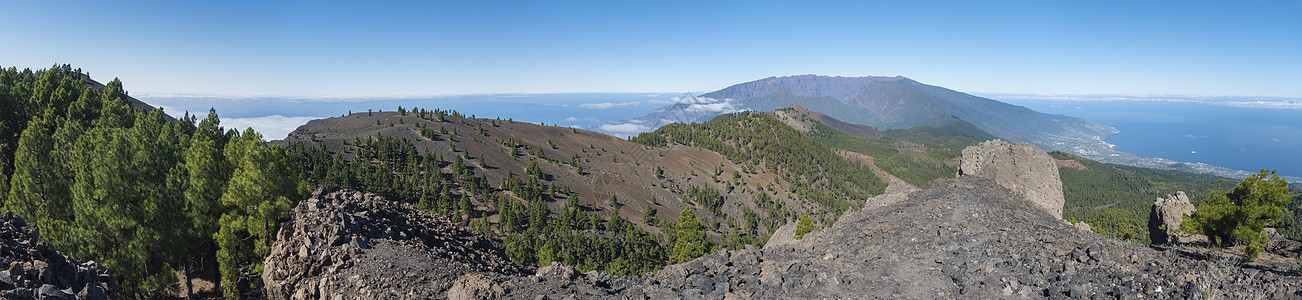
898	103
881	102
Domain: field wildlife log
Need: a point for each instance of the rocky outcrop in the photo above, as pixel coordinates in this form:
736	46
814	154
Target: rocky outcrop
896	191
785	235
1281	245
1020	167
1083	226
361	246
1166	217
967	238
33	270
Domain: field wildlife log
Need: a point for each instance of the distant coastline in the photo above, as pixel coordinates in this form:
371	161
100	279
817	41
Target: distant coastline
1186	133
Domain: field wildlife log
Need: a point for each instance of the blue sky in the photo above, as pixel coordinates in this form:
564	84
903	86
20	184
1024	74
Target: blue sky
396	48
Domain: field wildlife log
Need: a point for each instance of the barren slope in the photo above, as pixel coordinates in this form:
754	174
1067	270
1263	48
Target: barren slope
611	166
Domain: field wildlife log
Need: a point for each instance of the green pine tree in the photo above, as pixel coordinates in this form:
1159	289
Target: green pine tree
1238	216
259	194
804	226
691	241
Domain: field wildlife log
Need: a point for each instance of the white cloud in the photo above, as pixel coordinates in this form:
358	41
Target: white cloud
175	112
1274	139
608	105
682	109
273	127
713	107
1261	104
624	130
1229	101
588	119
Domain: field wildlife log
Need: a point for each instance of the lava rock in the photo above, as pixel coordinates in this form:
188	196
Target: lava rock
35	270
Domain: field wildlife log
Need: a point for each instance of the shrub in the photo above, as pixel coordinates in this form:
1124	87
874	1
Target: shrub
1238	216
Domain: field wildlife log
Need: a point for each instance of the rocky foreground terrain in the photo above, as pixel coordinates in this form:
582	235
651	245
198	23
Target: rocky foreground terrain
33	270
349	245
969	238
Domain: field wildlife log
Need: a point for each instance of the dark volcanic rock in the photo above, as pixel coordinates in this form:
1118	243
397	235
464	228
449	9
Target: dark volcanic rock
360	246
33	270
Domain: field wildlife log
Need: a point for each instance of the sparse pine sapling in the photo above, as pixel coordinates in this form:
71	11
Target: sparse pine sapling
804	226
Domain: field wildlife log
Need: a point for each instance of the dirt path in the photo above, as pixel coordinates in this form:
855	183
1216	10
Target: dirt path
868	161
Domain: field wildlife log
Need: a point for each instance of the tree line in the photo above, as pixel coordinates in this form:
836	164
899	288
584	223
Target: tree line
140	193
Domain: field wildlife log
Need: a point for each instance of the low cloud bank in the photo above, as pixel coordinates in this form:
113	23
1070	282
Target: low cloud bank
607	105
273	127
1228	101
686	109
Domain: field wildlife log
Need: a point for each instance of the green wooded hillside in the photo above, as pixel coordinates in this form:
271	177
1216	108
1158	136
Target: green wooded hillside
808	167
140	193
944	145
1116	200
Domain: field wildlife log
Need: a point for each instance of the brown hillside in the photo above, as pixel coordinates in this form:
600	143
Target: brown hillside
612	166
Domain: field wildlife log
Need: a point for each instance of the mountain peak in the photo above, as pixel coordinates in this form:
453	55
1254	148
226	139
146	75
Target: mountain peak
898	102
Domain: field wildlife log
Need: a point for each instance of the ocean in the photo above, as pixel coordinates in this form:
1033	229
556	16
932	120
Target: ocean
1216	133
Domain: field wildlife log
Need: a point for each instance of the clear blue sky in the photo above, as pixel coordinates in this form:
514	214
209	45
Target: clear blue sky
390	48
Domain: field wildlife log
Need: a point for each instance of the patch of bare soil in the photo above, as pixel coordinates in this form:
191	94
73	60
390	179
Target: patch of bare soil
1067	163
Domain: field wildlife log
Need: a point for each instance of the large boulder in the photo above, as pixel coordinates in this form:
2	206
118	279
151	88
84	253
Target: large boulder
1020	167
785	235
1164	221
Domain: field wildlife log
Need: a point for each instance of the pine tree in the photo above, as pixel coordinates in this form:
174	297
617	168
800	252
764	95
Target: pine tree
257	196
1238	216
804	226
649	215
691	241
535	171
38	191
208	172
109	226
466	207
